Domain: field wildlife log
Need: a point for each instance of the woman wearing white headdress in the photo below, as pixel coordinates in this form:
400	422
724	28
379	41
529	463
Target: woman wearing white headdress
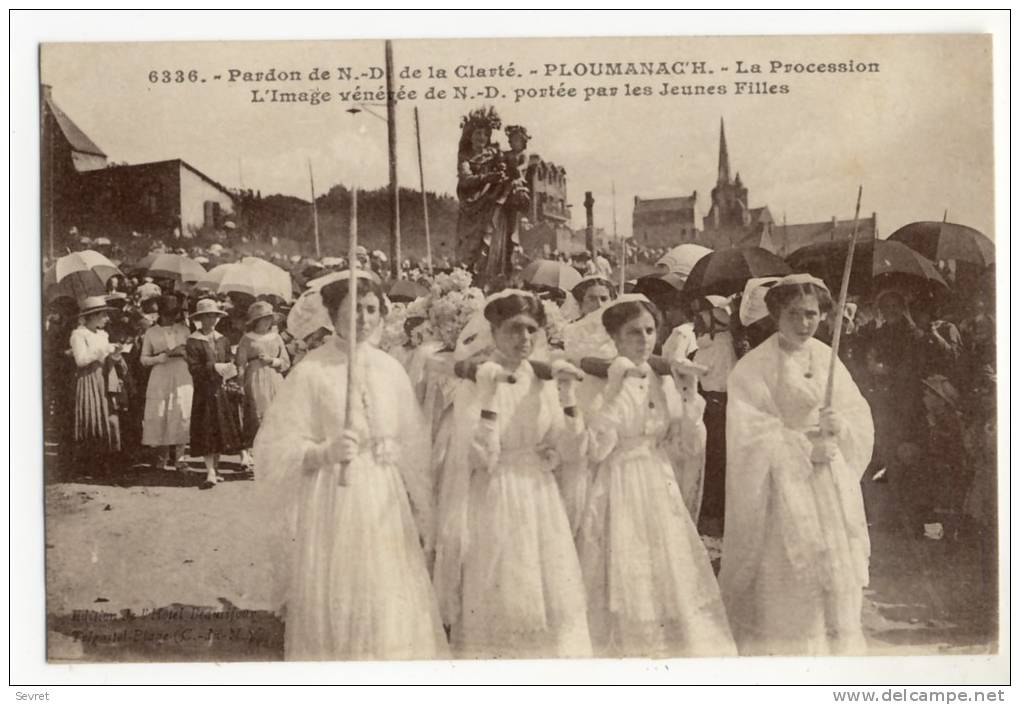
796	546
358	586
651	588
585	338
506	570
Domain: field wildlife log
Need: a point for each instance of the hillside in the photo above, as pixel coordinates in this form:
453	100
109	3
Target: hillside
260	218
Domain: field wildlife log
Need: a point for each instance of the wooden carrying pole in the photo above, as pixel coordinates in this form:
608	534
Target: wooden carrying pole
424	199
352	321
841	304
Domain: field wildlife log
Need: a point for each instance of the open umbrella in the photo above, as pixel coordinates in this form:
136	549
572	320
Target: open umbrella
661	288
246	277
548	273
877	264
682	258
78	275
406	290
726	272
947	241
165	265
102	241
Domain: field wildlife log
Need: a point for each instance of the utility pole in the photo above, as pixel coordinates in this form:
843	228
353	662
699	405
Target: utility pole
589	234
315	210
424	199
623	246
391	124
49	195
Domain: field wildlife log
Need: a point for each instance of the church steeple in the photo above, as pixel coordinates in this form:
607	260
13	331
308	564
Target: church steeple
724	155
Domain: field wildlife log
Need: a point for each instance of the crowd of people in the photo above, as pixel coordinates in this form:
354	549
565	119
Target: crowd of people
552	502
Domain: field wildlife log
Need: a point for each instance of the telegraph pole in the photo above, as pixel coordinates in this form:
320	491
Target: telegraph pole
589	233
391	124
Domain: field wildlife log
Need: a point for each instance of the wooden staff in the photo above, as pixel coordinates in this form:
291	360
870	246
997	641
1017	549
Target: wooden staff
352	323
424	198
841	305
315	211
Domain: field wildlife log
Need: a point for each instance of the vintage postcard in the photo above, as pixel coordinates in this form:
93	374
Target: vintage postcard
561	348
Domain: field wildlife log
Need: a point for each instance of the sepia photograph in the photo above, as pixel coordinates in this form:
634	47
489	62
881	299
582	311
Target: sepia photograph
675	348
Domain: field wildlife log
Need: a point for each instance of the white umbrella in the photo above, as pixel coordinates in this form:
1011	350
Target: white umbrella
279	276
246	278
681	259
102	241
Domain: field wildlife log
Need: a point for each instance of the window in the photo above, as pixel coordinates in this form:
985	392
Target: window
211	213
152	197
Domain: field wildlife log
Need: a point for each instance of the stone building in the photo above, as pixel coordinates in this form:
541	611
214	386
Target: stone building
665	222
82	191
548	185
730	222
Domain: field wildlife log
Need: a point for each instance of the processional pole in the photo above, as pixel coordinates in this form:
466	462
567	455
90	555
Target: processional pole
841	305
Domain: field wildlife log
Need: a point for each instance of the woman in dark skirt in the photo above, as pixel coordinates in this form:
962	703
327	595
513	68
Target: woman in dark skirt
215	428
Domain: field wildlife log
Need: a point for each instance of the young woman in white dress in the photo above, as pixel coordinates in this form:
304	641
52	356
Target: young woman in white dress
506	571
357	502
796	545
651	589
168	396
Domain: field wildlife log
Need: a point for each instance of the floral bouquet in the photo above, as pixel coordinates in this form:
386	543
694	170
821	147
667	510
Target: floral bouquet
448	312
393	335
440	316
555	323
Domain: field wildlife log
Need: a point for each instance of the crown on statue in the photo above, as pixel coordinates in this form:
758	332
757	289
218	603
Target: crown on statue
486	118
512	130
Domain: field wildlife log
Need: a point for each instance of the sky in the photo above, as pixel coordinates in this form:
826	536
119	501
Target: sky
917	135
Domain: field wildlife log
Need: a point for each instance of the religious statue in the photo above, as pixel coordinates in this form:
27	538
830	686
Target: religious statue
493	193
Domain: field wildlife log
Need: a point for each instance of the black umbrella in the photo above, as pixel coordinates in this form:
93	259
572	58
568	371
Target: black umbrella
947	241
659	286
406	291
725	272
877	264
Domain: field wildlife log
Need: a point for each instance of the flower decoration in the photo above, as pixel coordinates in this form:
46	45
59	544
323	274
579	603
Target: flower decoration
485	117
555	323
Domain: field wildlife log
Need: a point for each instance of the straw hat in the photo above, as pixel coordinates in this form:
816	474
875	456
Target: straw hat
207	307
259	309
93	304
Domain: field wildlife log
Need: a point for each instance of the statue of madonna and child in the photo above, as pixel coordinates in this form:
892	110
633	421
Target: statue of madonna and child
493	195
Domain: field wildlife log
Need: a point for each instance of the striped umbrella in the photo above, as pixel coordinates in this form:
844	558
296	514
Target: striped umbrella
79	275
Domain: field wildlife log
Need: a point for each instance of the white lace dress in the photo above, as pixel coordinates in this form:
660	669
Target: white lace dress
507	572
796	547
651	589
351	560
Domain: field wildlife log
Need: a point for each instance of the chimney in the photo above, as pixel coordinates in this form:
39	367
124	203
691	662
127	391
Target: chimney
832	236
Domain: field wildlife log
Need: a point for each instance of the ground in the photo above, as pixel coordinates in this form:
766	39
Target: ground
142	565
